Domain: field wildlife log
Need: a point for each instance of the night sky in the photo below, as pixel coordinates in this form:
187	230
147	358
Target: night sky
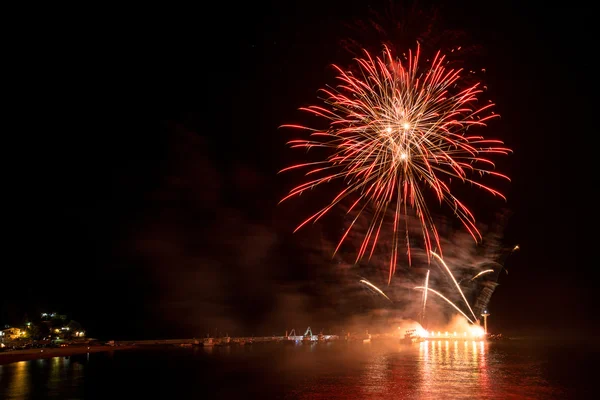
154	212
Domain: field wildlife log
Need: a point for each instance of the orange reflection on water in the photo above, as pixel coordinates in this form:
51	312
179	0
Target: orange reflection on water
378	376
484	378
424	355
19	385
452	368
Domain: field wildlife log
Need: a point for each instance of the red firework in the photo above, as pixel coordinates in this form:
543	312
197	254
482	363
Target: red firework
396	129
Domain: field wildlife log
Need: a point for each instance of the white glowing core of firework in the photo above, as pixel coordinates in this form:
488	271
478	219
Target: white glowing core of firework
422	332
477	330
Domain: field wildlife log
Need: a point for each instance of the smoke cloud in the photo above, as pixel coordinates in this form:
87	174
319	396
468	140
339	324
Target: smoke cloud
223	258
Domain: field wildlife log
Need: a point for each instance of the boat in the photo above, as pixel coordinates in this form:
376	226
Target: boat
411	336
208	342
224	341
497	337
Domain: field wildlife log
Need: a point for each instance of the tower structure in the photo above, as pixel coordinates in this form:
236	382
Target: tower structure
485	314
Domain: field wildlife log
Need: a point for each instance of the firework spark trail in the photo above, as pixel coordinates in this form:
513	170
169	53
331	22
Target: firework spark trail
425	297
445	298
396	128
455	283
487	271
375	288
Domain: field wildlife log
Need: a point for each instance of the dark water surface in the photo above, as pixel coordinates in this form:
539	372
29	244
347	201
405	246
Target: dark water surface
432	370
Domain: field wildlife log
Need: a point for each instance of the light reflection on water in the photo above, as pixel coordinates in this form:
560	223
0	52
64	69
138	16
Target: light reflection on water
58	376
453	368
434	369
438	369
18	384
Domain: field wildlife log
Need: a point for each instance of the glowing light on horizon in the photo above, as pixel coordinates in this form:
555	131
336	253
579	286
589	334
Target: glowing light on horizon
477	330
422	332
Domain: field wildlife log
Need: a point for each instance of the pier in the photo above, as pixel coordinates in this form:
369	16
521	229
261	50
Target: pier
290	337
224	340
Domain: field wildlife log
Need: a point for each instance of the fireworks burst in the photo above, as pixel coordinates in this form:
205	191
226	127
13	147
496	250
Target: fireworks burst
395	130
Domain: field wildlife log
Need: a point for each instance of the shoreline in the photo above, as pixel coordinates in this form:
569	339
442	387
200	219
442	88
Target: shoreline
36	354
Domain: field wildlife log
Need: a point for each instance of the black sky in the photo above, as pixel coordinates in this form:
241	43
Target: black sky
161	150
